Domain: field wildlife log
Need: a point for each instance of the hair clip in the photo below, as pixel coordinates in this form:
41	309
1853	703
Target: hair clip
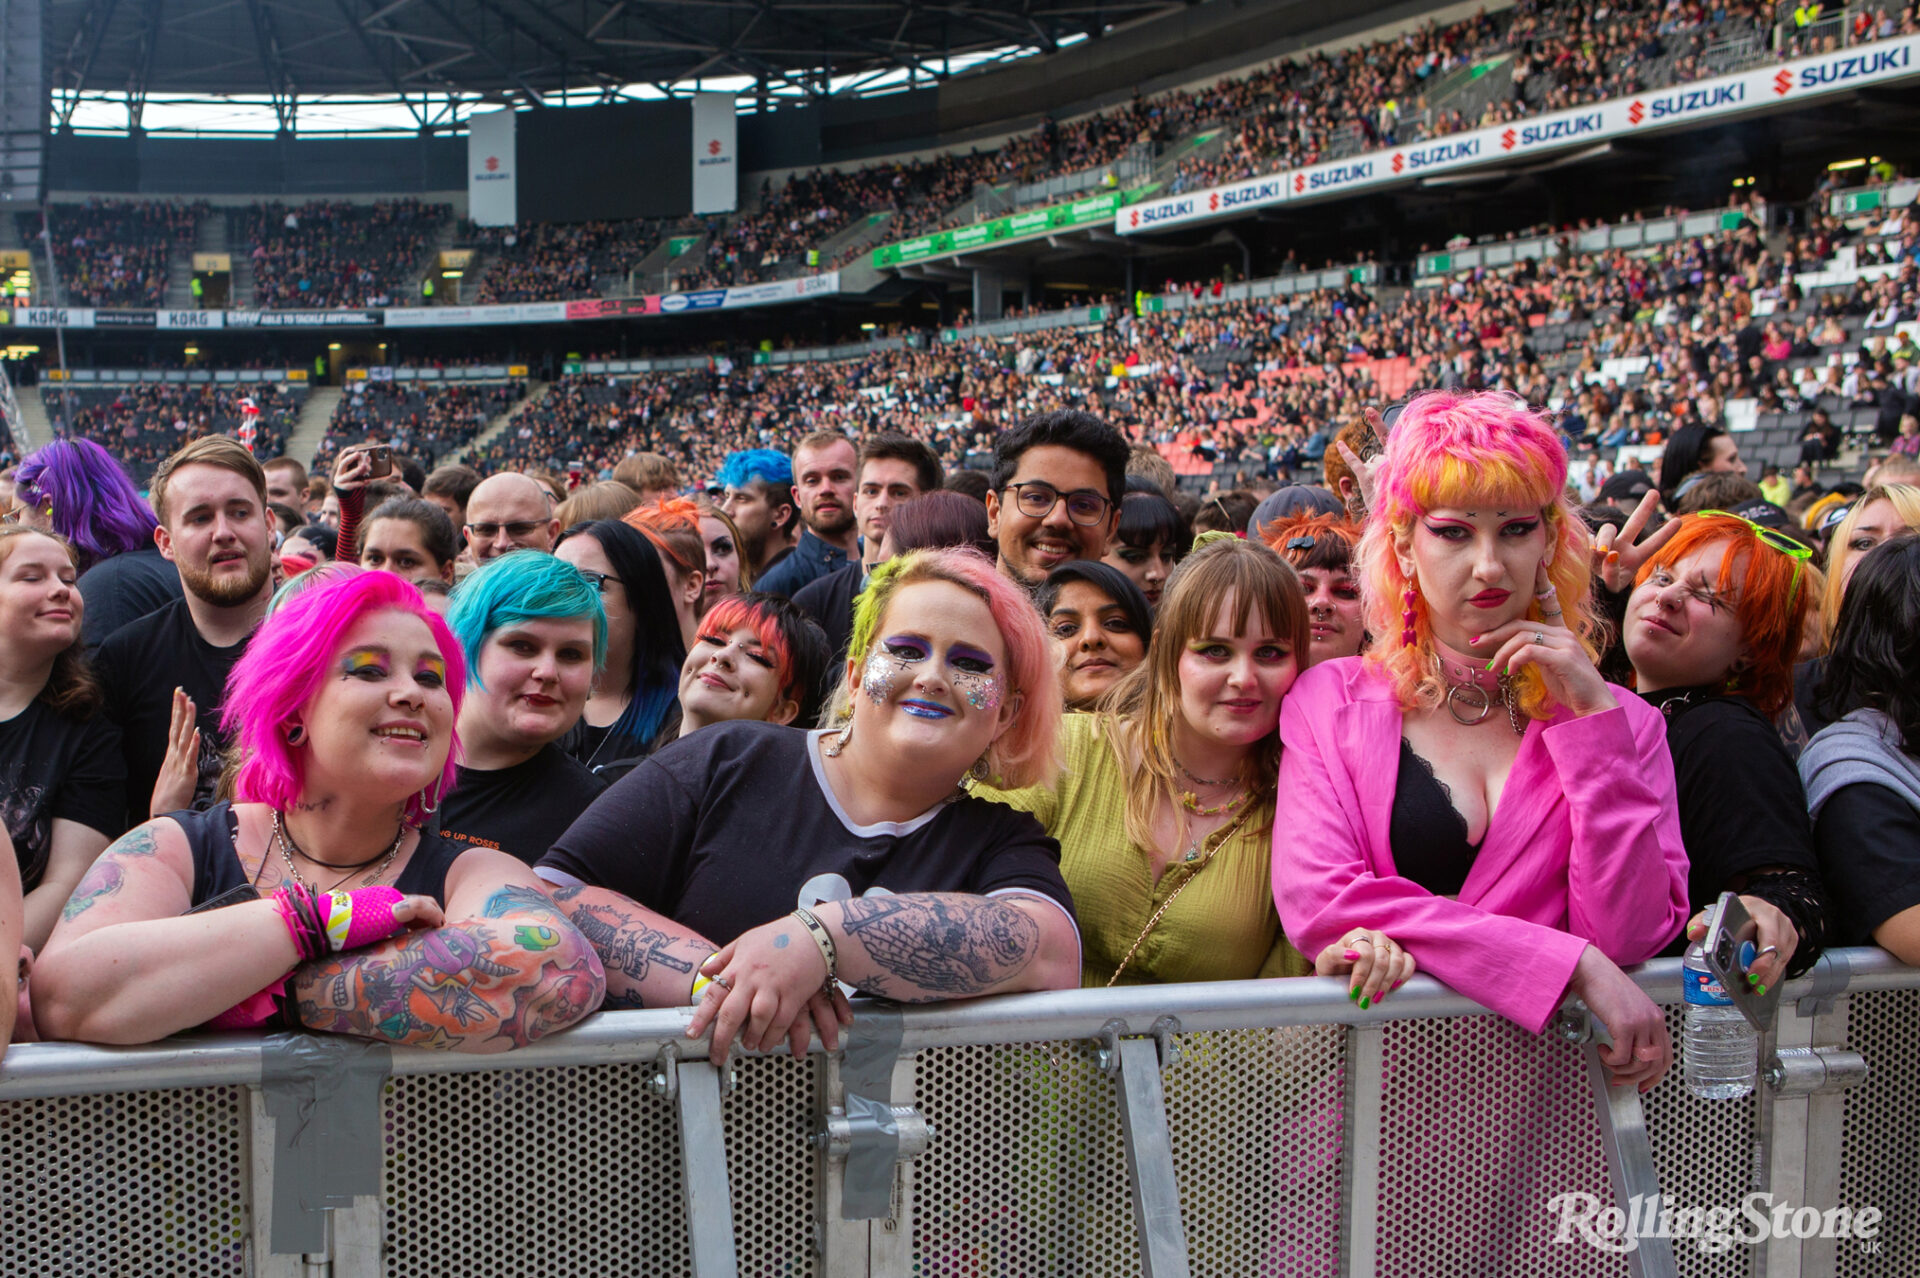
1300	543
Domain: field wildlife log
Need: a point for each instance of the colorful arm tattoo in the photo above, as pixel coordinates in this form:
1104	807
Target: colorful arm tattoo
632	951
470	986
107	877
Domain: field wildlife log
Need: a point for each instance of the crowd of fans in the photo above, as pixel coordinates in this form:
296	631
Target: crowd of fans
143	422
115	252
333	253
424	420
551	262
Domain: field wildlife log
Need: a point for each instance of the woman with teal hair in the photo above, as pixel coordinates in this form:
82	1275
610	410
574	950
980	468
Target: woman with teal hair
534	635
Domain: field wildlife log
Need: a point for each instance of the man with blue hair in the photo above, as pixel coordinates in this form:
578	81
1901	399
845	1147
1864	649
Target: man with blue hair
757	494
534	633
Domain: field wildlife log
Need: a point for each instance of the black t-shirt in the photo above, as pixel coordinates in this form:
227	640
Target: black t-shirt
736	825
139	665
126	588
56	768
1741	803
519	810
1868	838
829	601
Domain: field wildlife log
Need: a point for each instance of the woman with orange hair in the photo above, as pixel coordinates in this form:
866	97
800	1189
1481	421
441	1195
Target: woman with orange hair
1471	786
673	526
1320	548
749	866
1712	628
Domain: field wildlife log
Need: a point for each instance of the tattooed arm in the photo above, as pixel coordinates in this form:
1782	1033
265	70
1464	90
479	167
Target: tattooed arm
506	969
920	947
10	932
650	959
126	964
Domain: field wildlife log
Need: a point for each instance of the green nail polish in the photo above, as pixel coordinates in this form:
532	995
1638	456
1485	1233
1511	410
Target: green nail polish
1752	979
1365	1003
1490	661
1761	988
1353	996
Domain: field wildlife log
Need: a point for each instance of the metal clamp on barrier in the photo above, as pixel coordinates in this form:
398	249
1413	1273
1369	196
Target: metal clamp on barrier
1830	975
1815	1071
902	1128
693	1087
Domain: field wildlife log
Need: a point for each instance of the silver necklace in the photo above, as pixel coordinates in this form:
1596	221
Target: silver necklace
1470	703
280	839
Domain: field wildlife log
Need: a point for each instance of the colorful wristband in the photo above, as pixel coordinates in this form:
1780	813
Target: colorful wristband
360	917
824	939
700	979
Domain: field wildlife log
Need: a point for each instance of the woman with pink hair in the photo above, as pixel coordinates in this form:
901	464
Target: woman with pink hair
772	863
316	900
1471	786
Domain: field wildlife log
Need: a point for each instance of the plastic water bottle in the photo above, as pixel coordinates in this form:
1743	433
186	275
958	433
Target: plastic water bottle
1721	1049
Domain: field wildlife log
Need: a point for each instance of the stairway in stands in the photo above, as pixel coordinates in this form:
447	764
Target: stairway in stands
34	425
493	429
311	426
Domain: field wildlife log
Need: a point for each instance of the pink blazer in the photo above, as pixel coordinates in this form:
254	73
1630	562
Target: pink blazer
1584	846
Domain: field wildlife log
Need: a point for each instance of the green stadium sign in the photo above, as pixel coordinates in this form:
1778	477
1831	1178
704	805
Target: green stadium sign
1018	226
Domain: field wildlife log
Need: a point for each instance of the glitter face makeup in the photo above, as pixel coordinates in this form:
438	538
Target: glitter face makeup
982	691
363	659
878	678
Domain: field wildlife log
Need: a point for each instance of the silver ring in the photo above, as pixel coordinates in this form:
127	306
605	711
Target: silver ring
1539	636
1359	939
724	982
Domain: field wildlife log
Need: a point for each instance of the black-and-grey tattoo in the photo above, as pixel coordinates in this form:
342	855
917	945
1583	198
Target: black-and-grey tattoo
625	945
947	946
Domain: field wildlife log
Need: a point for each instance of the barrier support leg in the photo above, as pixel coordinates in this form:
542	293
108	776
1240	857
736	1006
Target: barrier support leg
1803	1113
1636	1181
703	1167
1156	1190
1360	1147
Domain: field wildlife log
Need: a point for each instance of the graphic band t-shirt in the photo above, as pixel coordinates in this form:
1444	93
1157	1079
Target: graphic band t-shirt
56	768
734	826
139	665
519	810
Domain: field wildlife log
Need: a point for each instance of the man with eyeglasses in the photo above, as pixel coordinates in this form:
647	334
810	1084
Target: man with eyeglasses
1057	480
509	512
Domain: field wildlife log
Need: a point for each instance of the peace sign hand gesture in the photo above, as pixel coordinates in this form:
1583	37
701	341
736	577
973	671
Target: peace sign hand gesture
1617	568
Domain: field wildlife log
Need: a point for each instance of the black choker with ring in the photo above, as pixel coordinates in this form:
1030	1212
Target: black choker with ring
1471	693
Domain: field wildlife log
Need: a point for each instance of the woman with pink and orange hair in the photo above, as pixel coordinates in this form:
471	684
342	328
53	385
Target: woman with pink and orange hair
1471	786
316	900
772	862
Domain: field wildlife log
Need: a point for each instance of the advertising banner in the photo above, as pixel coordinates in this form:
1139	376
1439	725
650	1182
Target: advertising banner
716	154
492	170
611	307
1018	226
1758	89
463	316
303	319
193	319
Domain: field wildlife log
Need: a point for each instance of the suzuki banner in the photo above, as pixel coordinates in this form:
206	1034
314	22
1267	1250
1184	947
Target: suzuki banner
1762	88
716	154
493	197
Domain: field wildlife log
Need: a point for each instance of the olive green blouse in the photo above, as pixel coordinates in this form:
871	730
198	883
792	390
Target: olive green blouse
1222	927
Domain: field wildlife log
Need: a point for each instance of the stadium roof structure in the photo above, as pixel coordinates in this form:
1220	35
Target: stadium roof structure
436	55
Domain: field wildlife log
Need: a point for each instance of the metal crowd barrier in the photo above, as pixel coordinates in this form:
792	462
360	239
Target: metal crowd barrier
1234	1129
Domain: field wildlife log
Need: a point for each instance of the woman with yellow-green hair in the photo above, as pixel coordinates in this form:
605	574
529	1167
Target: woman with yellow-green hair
1164	810
772	862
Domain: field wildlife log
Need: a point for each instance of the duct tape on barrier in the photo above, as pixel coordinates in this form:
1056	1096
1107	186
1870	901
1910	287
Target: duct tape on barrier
873	1045
1830	974
324	1095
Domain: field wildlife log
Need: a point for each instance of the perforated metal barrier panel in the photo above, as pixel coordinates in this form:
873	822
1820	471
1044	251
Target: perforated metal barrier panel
578	1170
1881	1165
129	1183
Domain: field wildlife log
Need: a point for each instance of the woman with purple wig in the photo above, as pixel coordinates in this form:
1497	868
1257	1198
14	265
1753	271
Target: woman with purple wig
316	899
75	488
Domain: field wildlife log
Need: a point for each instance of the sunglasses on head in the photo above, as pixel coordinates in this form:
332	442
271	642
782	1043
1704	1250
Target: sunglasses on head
1776	539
